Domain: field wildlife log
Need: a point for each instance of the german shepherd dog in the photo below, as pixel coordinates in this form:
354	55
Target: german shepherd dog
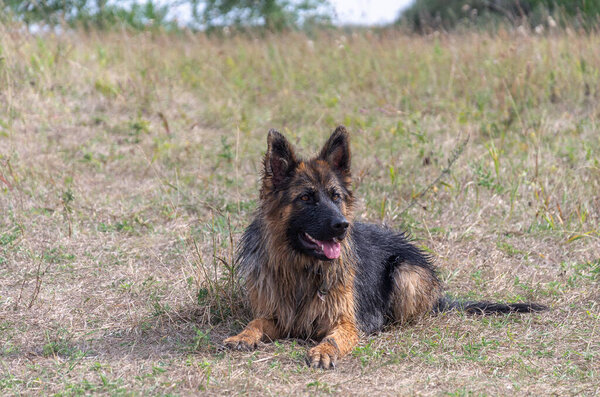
313	273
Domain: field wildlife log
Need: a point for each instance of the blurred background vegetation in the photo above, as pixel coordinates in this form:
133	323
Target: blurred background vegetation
427	15
422	16
273	15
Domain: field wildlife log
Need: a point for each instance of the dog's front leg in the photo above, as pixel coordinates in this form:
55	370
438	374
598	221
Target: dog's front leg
260	328
338	342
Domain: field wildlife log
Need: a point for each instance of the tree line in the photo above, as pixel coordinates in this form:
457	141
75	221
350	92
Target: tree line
152	14
427	15
421	16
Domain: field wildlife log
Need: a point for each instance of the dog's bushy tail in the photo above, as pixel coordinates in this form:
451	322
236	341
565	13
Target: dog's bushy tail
470	307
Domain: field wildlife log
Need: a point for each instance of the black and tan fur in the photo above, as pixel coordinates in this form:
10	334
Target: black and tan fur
298	286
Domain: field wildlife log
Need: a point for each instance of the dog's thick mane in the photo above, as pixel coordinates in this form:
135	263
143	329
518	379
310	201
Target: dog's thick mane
303	295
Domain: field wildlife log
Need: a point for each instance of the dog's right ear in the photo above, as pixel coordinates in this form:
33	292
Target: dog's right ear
336	150
280	160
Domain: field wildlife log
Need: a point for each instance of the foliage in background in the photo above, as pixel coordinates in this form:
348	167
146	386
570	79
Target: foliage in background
151	14
99	14
425	15
275	15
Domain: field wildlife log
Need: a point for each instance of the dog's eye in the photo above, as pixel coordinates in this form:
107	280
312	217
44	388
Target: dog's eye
336	196
305	197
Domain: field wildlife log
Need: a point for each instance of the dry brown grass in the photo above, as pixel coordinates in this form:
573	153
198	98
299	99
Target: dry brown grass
103	204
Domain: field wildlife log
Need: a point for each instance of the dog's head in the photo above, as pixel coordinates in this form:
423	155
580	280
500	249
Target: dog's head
310	201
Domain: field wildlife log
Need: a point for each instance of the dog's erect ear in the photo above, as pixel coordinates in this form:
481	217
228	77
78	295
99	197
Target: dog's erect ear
336	150
280	160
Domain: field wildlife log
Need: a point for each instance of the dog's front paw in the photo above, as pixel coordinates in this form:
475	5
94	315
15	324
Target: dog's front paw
241	342
324	355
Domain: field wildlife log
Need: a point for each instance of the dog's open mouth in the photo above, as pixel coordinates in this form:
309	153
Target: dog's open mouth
330	249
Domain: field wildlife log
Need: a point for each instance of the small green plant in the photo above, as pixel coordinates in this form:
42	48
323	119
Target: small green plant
226	152
201	340
59	345
159	307
67	198
106	88
57	255
485	178
10	235
366	353
320	387
139	126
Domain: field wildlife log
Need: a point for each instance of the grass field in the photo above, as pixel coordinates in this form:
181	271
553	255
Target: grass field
129	167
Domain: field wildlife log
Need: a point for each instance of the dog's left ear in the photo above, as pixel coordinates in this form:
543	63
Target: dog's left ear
336	150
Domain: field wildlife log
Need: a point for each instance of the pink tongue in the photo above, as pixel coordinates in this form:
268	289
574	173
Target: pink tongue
331	249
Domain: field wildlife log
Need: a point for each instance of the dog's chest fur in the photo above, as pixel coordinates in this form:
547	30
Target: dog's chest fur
305	298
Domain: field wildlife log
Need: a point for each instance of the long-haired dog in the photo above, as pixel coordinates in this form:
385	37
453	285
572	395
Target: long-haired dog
312	272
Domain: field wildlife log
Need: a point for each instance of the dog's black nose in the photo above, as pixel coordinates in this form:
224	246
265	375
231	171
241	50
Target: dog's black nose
339	225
